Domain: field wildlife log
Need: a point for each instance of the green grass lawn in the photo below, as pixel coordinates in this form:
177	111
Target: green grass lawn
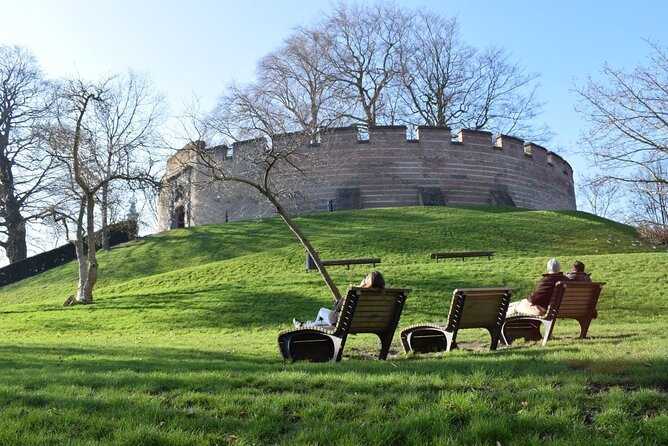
180	348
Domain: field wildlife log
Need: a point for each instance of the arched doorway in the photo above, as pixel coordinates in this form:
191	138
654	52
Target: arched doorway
180	214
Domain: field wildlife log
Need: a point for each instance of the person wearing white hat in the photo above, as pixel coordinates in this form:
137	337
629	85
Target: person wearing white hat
537	302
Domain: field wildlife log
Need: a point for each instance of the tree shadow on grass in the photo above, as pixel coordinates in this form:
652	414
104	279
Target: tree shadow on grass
212	307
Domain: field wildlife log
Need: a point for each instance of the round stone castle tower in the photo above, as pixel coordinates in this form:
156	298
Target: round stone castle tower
387	170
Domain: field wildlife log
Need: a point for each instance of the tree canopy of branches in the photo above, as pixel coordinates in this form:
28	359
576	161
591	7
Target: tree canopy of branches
627	138
365	57
380	64
24	166
103	135
449	83
297	78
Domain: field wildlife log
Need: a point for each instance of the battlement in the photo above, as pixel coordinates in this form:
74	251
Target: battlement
395	137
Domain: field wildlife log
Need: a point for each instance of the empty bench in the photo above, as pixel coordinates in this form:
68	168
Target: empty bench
470	308
462	255
310	264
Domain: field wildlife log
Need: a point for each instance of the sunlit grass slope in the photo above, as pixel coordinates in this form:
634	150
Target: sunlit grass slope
180	344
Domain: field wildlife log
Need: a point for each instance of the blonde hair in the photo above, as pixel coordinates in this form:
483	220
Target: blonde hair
375	280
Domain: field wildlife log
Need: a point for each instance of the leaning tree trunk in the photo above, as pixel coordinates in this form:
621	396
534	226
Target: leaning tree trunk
307	244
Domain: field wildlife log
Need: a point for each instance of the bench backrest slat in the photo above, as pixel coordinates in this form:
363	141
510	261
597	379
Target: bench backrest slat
579	299
478	307
370	310
573	300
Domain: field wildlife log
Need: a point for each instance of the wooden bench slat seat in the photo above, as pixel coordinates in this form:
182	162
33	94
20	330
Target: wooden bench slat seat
364	310
461	255
470	308
570	300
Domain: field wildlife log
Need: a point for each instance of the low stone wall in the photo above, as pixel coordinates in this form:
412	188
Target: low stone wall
387	170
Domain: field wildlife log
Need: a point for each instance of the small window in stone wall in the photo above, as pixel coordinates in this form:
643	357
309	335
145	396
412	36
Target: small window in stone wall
362	135
229	152
431	196
500	198
347	198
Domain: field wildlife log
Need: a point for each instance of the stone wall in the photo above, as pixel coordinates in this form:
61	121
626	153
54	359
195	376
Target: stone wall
387	170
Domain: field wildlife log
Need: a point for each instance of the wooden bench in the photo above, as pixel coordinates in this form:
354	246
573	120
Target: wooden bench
310	264
470	308
570	300
462	255
364	310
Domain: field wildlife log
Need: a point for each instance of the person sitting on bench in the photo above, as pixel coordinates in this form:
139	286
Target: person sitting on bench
578	272
327	317
537	302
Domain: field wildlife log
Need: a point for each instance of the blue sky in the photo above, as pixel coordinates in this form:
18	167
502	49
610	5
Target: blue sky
197	47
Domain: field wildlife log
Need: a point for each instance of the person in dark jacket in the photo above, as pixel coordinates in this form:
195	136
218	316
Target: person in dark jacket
537	302
578	273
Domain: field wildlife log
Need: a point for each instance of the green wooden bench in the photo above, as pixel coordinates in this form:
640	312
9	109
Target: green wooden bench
461	255
310	264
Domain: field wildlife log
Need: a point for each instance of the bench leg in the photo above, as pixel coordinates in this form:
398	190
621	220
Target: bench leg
548	326
584	327
495	333
339	343
385	343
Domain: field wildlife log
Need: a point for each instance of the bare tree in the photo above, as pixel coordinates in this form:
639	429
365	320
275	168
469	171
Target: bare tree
449	83
129	119
436	68
243	112
379	64
627	138
24	166
601	195
298	77
365	57
649	200
504	96
91	161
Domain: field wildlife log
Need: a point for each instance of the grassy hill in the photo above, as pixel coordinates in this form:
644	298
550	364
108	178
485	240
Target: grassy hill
180	344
